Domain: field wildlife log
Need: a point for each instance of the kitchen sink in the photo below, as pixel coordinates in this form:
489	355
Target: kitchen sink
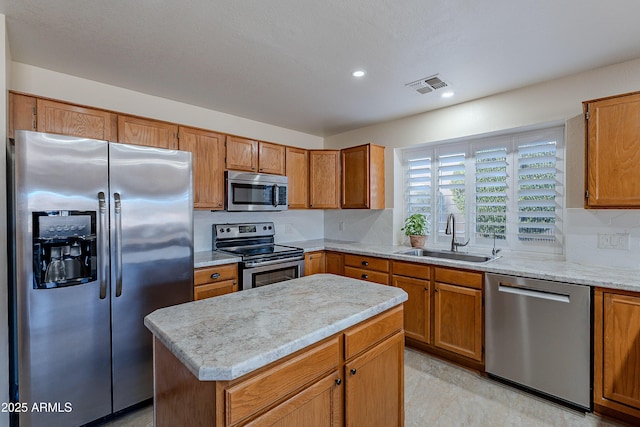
458	256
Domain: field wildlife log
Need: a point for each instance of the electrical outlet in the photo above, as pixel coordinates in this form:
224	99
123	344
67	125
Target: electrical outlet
288	228
619	241
341	226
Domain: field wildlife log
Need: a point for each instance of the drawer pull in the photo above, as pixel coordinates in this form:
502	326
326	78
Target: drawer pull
215	276
365	263
353	371
338	381
365	276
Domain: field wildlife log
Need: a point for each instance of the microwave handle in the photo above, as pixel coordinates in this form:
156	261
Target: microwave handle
276	202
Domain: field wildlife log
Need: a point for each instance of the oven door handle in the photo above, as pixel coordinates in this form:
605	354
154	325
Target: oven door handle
252	264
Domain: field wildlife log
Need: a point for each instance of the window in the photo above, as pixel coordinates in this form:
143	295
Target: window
507	187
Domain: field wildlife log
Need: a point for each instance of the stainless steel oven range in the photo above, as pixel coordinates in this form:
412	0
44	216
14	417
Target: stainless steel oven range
263	262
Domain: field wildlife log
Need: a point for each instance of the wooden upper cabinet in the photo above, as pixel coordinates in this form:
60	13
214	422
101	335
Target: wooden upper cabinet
147	132
613	152
208	151
297	161
242	154
74	120
324	179
22	113
363	177
271	158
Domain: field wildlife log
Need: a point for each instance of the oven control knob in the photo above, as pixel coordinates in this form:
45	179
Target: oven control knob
269	227
228	230
222	230
265	227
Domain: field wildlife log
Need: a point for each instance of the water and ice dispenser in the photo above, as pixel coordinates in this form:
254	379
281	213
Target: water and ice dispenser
64	248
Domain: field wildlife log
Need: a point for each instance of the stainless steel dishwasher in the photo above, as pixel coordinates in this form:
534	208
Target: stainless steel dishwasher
538	335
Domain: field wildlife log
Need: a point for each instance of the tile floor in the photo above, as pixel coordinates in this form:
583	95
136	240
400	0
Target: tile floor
438	393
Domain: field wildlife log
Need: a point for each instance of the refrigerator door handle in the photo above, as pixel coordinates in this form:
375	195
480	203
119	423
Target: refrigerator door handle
118	242
104	266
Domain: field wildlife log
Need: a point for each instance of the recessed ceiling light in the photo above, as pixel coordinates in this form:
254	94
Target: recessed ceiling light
358	73
448	94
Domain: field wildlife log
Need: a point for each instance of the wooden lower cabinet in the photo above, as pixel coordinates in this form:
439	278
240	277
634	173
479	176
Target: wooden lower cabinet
415	280
215	281
314	263
370	269
458	320
617	354
318	386
334	263
374	384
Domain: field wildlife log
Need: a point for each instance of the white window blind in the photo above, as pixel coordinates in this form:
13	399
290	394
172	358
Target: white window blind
451	191
491	193
418	187
537	191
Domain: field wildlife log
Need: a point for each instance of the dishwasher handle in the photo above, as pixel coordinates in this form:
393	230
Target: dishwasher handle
517	290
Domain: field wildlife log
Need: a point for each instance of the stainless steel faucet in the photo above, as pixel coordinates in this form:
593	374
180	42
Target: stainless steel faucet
451	229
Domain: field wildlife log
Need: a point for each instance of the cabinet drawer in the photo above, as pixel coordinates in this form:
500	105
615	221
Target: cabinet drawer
369	263
375	330
457	277
259	392
368	275
215	274
408	269
210	290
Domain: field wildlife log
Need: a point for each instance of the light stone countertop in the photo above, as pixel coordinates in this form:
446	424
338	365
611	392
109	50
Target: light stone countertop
226	337
536	266
213	258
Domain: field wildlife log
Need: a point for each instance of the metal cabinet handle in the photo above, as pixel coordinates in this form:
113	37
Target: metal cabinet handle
353	371
365	263
104	238
338	381
365	276
215	276
118	242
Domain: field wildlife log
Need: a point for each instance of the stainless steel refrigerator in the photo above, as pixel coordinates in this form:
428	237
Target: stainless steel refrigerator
103	236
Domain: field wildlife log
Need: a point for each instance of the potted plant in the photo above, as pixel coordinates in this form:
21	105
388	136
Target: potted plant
416	227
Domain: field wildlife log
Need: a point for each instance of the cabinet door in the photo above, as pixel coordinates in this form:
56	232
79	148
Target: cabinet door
211	290
150	133
297	165
242	154
363	177
324	179
613	152
374	386
208	166
334	263
22	113
314	263
271	158
73	120
319	405
458	320
417	311
621	349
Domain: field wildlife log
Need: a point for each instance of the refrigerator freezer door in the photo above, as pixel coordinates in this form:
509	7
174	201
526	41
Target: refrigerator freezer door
62	346
152	256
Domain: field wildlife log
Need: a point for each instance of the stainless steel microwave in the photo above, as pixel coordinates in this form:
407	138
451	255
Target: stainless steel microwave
245	191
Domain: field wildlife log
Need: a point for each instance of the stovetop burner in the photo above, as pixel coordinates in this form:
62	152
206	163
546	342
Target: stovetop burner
252	242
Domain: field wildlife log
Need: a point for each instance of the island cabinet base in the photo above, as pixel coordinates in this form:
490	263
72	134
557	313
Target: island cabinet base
353	378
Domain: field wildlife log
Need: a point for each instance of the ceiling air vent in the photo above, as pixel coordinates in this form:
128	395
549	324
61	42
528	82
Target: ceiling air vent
428	84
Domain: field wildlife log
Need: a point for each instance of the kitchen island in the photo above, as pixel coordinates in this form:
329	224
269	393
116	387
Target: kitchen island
323	349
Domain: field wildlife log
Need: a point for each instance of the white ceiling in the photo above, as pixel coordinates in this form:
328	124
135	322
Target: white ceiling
289	62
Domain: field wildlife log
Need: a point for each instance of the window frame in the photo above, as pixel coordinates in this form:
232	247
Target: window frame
510	140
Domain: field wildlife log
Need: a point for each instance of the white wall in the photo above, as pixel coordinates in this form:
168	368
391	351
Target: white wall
550	102
4	343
